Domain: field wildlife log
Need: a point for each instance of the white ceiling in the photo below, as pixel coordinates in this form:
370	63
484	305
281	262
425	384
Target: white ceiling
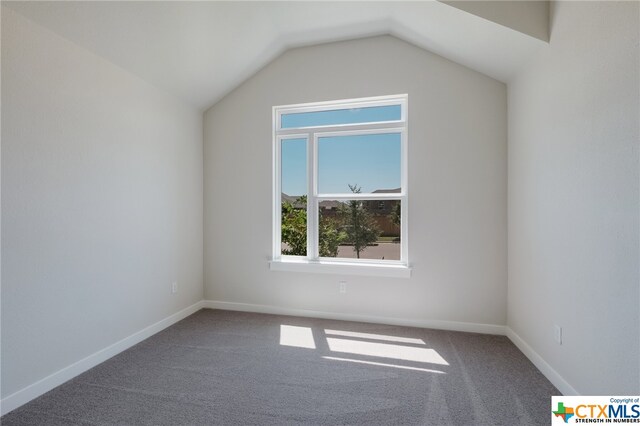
200	51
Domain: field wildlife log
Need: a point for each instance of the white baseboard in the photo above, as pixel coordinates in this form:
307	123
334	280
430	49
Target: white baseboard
437	324
38	388
556	379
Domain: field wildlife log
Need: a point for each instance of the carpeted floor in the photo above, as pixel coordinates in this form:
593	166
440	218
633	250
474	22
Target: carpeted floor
234	368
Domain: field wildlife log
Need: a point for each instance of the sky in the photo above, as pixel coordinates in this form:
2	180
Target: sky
370	161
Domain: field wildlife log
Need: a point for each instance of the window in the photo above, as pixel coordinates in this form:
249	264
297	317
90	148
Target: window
340	185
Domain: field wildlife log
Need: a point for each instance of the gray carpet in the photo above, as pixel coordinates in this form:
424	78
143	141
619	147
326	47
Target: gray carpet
222	367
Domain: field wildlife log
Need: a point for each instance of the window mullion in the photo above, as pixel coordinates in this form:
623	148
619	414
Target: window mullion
382	126
312	202
277	196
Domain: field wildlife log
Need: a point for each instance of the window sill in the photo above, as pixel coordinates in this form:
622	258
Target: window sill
341	268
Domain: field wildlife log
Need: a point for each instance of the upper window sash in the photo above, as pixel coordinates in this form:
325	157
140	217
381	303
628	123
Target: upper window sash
317	135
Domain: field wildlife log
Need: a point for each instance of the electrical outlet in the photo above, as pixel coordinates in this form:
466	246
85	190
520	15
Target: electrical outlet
343	287
557	334
174	287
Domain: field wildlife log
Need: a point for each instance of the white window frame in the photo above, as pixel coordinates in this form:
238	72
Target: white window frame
312	262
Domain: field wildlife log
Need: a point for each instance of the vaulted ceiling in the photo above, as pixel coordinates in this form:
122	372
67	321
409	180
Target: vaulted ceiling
200	51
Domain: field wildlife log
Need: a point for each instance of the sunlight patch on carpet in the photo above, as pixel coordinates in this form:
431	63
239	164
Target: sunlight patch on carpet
299	337
374	336
382	364
386	350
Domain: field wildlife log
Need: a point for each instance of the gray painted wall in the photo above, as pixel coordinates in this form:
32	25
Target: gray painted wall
573	198
457	184
101	203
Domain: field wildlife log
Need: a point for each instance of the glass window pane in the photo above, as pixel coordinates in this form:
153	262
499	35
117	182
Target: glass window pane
294	166
362	163
364	229
293	180
341	116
